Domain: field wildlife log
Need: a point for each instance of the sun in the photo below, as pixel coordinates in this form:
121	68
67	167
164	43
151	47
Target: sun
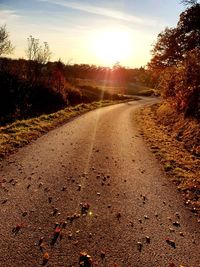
111	46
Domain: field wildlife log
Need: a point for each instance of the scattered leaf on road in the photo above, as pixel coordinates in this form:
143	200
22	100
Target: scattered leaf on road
85	260
45	258
139	246
118	215
84	207
41	240
148	239
24	213
177	224
103	254
55	211
4	201
171	242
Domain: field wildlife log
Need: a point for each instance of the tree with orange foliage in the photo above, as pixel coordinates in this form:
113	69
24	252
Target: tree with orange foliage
176	57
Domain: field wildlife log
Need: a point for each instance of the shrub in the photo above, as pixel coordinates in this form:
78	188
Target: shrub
181	85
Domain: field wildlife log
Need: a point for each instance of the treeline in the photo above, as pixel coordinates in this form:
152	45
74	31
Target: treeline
176	61
31	69
29	88
118	74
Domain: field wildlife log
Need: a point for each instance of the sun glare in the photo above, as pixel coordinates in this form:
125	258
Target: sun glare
111	46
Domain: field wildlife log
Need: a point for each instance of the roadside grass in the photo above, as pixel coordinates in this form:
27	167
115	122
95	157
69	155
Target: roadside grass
20	133
107	86
113	87
178	153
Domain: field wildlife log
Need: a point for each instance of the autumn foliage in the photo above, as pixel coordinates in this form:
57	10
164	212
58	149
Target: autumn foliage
176	59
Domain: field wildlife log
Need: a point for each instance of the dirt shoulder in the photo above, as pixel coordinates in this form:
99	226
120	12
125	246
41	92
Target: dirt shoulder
175	143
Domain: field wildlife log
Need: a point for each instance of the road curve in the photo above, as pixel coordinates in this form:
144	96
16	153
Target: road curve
136	217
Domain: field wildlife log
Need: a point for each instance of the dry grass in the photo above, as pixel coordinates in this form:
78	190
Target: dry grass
115	88
20	133
177	152
140	90
107	86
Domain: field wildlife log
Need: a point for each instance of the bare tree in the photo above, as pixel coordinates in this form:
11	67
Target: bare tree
37	52
46	53
5	44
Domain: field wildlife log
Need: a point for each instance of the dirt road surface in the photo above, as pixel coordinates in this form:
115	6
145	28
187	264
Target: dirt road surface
130	216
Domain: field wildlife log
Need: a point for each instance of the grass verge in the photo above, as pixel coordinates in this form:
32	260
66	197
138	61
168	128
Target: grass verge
20	133
140	90
181	164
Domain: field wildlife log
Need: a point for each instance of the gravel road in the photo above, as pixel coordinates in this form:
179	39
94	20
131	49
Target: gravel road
93	185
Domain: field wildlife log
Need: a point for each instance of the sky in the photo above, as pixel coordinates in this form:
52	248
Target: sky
100	32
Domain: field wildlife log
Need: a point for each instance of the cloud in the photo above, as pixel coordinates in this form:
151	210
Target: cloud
7	15
114	14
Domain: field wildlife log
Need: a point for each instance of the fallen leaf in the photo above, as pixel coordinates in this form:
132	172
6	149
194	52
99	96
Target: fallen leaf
17	228
55	211
103	254
24	213
148	239
64	224
171	242
56	225
40	184
45	258
84	207
85	260
4	201
79	187
139	246
56	234
41	240
177	224
118	215
70	235
50	199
